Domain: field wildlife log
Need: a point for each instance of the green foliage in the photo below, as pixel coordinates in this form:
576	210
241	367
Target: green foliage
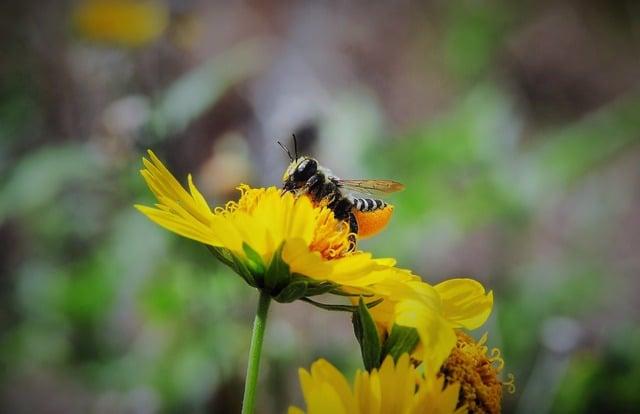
604	381
473	32
367	334
39	177
402	340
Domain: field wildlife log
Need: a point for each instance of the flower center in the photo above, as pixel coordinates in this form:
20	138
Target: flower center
331	237
477	373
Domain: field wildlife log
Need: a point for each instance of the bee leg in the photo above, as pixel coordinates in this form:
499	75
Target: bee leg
353	223
314	186
353	228
343	210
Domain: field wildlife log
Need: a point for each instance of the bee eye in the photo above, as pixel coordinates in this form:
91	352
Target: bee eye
305	170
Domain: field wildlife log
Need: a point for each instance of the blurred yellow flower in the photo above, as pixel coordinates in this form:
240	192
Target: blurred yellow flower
277	242
394	388
434	311
123	22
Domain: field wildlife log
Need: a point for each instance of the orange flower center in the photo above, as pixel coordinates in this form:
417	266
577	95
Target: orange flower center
477	373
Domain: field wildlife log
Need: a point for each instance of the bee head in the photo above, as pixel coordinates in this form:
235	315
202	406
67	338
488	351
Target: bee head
298	172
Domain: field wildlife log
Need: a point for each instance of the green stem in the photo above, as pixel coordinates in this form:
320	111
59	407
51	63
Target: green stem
259	324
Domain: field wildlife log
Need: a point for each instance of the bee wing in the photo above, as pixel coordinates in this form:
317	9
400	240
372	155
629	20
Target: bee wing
376	188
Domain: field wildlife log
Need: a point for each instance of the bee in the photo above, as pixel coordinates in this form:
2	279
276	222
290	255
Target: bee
355	202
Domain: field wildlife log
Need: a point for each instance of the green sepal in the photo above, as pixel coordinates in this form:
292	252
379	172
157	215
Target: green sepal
365	330
278	274
339	292
338	308
243	270
254	261
403	340
221	254
300	286
229	259
293	291
321	288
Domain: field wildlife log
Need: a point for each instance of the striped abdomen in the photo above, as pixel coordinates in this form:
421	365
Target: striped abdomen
368	204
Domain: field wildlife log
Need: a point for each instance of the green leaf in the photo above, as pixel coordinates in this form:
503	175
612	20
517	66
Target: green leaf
293	291
278	274
402	340
254	261
367	335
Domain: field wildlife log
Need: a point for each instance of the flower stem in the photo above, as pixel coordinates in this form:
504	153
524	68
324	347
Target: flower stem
259	324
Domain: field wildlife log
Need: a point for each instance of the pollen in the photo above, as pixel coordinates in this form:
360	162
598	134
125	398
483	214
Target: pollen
371	223
477	373
331	237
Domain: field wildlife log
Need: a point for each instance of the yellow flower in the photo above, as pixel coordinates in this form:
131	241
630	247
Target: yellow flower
394	388
434	311
277	242
123	22
477	373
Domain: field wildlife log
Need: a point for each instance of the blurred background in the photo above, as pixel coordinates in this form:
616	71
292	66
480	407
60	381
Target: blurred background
514	125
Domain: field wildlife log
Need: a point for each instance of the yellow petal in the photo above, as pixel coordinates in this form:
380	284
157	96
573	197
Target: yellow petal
464	302
397	382
368	392
324	372
295	252
182	227
436	334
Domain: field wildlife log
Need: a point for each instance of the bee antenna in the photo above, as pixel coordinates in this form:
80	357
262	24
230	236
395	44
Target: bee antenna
285	149
295	145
